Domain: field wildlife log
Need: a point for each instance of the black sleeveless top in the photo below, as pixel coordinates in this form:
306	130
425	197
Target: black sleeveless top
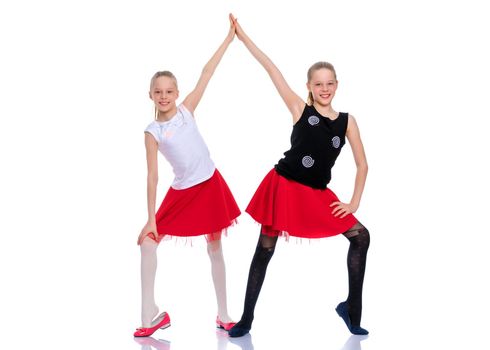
316	142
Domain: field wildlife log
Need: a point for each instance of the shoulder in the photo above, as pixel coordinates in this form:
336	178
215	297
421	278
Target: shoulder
350	118
352	124
306	111
184	110
152	126
152	129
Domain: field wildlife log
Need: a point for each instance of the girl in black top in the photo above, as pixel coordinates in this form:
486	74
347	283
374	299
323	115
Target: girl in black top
293	199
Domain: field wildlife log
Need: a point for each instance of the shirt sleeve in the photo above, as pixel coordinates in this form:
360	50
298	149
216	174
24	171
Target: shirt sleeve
151	129
187	114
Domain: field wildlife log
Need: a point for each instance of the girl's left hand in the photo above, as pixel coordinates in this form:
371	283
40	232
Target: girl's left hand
342	209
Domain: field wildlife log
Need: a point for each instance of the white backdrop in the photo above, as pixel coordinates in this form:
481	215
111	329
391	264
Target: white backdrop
74	79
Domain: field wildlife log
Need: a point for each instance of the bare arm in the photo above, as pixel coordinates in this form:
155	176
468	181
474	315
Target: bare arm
192	100
354	137
151	185
294	103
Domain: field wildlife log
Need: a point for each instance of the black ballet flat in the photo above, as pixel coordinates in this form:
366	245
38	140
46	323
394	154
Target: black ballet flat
343	312
237	331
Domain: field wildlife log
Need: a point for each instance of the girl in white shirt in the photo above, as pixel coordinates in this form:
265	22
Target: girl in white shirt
198	202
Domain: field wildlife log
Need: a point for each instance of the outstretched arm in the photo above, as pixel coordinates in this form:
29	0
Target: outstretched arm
192	100
354	137
294	103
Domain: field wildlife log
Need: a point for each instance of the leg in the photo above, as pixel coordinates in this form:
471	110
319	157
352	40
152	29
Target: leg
149	308
359	239
263	254
218	272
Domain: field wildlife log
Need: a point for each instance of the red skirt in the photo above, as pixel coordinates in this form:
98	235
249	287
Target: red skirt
207	209
286	207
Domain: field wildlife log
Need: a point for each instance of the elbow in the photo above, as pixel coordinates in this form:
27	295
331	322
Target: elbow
363	167
207	71
152	179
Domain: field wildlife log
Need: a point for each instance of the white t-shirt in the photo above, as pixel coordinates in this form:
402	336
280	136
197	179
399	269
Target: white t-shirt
182	145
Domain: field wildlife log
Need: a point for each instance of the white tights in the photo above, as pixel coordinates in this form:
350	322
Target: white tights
149	309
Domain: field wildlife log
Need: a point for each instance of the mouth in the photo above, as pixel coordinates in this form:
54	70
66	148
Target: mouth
325	96
163	104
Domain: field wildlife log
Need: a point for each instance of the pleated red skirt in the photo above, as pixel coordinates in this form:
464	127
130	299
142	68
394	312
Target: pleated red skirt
207	209
286	207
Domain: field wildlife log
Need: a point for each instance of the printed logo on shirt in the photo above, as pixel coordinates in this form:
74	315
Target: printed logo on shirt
168	134
336	142
307	161
313	120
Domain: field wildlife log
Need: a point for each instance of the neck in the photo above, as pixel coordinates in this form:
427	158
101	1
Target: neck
167	115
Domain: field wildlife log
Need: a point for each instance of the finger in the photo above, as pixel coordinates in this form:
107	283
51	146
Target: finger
142	237
335	203
340	211
344	215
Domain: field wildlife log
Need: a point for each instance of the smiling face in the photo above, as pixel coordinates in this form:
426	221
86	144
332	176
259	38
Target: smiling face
322	85
164	93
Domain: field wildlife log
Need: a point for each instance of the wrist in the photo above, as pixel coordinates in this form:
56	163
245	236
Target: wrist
354	205
152	221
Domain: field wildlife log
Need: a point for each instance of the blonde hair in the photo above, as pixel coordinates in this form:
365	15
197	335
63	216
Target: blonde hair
163	73
316	66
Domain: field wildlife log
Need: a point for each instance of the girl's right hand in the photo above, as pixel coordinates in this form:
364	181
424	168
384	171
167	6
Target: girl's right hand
231	32
149	228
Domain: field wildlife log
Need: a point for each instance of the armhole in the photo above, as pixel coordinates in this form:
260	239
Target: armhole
185	112
346	124
302	113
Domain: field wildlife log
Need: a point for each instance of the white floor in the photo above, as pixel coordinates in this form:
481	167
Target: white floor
92	301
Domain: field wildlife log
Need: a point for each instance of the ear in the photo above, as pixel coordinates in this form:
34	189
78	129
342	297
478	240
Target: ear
308	87
149	95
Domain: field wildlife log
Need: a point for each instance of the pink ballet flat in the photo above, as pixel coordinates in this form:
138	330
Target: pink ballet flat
225	326
162	324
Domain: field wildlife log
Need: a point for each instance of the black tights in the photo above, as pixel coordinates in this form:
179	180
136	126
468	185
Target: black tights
263	254
358	237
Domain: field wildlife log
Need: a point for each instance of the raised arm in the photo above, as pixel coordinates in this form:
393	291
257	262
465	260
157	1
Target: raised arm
192	100
294	103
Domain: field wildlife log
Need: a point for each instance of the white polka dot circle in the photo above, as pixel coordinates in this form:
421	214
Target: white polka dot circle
336	142
307	161
313	120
